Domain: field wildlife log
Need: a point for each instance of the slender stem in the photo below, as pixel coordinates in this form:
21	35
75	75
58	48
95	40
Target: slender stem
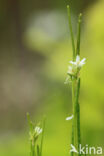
78	112
72	141
78	126
31	125
75	119
38	150
42	139
73	85
71	32
32	149
78	35
73	125
78	85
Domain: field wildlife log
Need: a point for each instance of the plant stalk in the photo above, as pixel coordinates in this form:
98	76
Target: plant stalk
78	35
76	136
71	32
78	113
42	139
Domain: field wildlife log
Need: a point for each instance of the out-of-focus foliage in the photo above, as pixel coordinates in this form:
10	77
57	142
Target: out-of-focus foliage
46	38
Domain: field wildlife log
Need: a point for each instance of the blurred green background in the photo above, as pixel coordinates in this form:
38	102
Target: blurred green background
35	49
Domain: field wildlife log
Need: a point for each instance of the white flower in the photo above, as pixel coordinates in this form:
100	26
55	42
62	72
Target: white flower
78	62
38	130
70	117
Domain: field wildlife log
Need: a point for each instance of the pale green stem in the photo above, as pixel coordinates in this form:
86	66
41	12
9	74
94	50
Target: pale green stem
71	32
78	35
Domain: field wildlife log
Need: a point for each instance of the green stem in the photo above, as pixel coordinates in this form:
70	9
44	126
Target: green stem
78	112
71	32
42	139
78	126
38	150
78	85
78	35
73	95
32	149
75	120
74	125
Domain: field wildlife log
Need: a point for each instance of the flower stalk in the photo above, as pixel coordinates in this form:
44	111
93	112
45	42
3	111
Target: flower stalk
78	35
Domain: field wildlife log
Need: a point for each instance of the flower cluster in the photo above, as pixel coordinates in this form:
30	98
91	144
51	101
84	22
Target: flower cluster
74	68
34	134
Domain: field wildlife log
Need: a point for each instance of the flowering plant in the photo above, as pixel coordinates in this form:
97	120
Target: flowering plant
73	76
34	133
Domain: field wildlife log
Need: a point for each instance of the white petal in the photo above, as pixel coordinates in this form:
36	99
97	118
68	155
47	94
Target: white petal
38	130
70	117
83	60
77	58
72	62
